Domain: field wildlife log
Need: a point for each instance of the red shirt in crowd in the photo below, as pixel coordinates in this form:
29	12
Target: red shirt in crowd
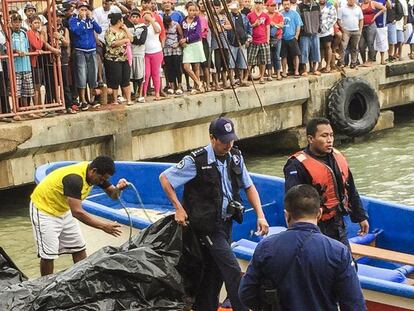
36	43
277	18
158	19
260	31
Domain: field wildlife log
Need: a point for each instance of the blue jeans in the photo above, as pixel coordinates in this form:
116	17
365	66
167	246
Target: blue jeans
275	54
310	49
86	69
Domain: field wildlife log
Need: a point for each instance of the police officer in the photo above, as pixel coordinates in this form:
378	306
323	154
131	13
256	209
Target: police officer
212	177
325	168
305	269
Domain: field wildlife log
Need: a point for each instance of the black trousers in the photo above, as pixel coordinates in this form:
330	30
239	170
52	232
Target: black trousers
4	98
335	229
173	68
220	265
66	86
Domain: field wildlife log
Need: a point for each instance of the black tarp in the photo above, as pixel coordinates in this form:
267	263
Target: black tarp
160	270
9	273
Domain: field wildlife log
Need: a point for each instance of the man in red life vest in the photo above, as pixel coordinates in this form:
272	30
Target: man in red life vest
325	168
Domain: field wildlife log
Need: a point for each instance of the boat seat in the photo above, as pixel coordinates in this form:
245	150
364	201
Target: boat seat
244	249
366	239
381	273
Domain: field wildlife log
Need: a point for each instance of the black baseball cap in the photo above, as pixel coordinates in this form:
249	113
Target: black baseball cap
223	130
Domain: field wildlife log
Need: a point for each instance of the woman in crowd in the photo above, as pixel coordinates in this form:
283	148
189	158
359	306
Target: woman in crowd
117	68
38	41
371	10
153	56
193	53
172	55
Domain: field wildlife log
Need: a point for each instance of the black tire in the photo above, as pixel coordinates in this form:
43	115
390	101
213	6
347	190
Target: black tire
353	107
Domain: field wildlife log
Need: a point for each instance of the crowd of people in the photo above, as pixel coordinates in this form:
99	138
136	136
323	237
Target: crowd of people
132	47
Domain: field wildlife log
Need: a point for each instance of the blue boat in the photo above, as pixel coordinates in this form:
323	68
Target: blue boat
387	285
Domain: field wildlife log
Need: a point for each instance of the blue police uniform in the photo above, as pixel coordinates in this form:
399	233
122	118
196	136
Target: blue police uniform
221	263
311	272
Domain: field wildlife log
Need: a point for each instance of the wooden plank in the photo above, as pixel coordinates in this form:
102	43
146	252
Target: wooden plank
380	253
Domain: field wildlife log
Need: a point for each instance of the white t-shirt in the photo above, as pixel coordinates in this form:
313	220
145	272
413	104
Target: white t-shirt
101	17
400	24
2	42
153	43
350	17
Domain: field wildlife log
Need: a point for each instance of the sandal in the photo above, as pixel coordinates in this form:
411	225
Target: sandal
262	81
159	98
178	92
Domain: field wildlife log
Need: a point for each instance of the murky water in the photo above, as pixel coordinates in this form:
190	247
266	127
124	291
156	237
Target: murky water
382	168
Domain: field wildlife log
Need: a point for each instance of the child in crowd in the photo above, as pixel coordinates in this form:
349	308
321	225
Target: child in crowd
22	67
37	40
172	55
139	34
193	53
219	45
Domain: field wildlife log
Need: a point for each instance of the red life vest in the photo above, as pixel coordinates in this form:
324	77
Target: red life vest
324	176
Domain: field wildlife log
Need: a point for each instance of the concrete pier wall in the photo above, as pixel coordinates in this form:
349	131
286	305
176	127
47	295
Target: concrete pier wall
156	129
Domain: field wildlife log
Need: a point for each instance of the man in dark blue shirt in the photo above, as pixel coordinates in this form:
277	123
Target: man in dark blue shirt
309	270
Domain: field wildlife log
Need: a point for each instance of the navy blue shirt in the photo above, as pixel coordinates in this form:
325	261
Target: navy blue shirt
319	277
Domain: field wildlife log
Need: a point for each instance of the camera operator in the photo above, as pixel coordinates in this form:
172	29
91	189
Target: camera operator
212	177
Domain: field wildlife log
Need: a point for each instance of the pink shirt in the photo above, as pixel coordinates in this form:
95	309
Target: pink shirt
259	32
204	26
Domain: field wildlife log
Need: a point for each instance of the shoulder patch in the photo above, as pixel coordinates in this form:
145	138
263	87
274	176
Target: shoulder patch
236	159
180	164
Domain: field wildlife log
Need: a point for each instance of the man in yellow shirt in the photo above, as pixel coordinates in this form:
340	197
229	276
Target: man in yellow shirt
57	201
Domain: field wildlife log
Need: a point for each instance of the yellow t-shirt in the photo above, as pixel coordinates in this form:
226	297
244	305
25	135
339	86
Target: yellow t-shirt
48	196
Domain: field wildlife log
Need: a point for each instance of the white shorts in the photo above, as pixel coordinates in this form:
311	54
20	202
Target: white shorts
55	235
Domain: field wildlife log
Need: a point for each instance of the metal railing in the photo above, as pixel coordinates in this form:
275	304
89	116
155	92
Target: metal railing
50	66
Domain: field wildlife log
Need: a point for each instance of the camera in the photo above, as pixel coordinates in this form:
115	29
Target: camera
236	210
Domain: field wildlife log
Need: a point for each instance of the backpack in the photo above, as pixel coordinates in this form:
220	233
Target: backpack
399	11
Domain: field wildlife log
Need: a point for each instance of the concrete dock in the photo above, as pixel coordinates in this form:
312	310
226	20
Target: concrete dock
156	129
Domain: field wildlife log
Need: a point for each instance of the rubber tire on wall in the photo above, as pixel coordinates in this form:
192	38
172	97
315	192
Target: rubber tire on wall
356	97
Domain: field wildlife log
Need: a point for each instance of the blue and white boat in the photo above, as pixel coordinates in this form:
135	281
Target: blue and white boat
387	285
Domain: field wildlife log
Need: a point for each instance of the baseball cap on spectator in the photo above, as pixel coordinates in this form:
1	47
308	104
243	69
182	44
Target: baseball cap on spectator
223	130
83	4
233	5
270	2
60	12
29	6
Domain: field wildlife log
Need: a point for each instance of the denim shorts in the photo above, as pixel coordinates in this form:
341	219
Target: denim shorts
236	59
392	33
86	69
310	49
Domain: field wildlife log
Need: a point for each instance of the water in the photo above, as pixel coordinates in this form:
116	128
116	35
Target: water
382	168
